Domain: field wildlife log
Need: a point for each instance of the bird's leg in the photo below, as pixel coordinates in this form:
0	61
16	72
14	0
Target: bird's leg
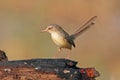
68	54
59	50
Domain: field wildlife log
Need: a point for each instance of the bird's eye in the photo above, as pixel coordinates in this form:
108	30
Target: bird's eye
49	28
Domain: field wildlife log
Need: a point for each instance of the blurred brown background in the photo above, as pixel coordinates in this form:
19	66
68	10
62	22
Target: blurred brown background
22	20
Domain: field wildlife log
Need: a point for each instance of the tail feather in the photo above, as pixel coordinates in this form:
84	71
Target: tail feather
84	27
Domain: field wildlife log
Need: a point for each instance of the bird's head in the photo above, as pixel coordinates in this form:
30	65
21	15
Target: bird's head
52	28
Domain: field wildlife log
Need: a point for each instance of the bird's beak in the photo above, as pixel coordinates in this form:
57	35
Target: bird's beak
45	30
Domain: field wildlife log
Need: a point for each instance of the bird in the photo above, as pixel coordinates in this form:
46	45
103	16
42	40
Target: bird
62	39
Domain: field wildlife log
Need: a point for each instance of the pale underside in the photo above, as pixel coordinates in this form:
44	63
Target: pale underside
60	41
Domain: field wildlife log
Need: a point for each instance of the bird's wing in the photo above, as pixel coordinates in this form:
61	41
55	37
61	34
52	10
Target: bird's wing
68	38
84	27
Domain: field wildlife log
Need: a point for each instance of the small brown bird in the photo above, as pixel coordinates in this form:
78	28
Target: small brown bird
62	39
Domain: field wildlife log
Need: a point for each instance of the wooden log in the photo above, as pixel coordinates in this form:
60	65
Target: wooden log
3	57
45	69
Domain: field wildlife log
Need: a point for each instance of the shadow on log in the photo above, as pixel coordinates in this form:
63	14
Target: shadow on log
45	69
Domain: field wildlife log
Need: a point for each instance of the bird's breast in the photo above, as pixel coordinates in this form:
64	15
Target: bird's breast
60	41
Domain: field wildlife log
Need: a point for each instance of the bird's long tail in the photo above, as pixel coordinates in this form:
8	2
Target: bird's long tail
84	27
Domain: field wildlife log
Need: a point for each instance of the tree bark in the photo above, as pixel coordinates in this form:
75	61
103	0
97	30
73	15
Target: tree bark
44	69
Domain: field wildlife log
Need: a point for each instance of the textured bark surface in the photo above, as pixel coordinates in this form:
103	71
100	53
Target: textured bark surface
45	69
3	57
